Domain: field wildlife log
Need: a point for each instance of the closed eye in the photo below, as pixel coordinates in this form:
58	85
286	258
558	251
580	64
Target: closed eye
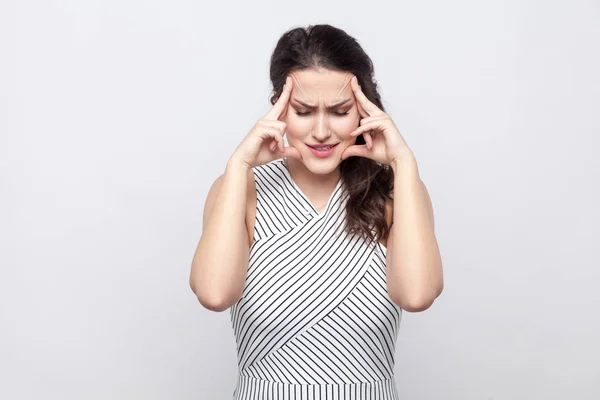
335	113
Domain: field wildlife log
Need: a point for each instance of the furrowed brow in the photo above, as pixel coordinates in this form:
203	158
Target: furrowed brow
311	107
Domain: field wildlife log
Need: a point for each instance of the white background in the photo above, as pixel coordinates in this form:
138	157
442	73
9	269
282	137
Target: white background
117	116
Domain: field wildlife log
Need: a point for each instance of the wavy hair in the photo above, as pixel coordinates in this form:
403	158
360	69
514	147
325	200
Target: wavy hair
367	182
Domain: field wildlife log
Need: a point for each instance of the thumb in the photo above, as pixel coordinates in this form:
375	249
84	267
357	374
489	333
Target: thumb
290	151
359	150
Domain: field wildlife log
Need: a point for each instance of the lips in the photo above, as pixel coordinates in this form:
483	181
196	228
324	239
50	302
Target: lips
322	153
322	145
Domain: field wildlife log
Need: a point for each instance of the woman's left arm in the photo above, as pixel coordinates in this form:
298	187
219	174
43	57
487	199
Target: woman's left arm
414	265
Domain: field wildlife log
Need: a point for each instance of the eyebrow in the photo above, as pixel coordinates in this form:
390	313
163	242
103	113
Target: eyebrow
341	103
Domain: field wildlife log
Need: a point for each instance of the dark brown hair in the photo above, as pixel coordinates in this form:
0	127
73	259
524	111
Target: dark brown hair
368	182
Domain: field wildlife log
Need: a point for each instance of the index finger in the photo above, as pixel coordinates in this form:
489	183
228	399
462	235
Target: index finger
364	102
281	103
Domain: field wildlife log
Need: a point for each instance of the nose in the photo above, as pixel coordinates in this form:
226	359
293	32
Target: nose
321	130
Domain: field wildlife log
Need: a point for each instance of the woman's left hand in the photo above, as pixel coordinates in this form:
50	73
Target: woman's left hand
383	141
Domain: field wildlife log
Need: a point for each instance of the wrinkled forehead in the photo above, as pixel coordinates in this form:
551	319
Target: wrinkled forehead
321	86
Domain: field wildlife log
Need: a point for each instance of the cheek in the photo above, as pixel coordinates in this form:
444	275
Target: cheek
297	126
345	125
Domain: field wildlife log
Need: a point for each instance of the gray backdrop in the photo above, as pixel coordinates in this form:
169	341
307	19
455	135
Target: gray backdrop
116	117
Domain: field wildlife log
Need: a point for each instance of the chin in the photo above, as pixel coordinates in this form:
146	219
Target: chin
321	166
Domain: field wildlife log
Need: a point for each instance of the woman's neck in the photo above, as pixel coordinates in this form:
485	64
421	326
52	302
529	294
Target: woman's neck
314	185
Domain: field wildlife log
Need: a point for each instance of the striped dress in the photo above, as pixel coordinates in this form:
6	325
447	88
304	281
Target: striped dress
314	321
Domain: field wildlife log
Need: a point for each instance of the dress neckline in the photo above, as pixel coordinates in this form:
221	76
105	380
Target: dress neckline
303	196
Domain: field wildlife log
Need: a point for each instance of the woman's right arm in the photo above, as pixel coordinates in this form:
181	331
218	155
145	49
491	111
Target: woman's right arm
220	262
221	259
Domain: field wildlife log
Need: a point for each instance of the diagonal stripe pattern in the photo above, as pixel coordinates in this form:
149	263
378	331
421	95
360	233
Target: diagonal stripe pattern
314	320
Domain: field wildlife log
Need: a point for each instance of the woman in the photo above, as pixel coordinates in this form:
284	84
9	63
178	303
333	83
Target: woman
309	245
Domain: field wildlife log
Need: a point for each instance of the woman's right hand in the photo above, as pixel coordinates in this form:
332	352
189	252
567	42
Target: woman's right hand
264	143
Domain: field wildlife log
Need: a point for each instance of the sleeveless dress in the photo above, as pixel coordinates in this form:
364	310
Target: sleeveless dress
314	321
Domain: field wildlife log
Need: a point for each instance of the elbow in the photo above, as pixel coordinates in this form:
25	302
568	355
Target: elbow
415	304
208	301
418	302
213	304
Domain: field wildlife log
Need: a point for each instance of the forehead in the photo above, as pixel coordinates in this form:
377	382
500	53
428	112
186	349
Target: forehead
320	85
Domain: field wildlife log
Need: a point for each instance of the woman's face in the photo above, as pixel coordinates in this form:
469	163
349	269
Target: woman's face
321	111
